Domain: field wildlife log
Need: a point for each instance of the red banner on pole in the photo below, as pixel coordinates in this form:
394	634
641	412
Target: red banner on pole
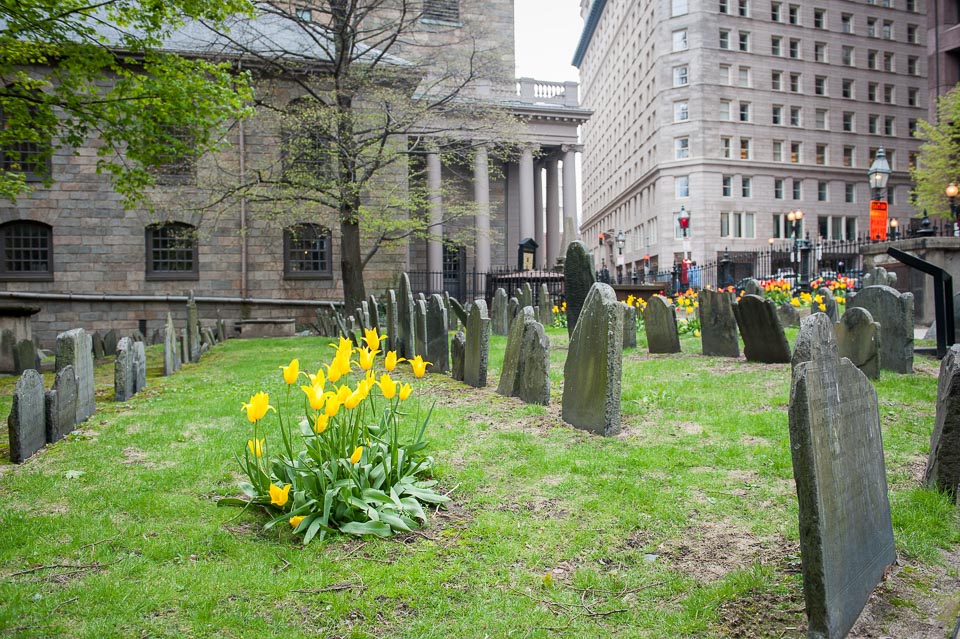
878	219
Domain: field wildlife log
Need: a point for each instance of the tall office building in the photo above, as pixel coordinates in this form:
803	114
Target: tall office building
733	113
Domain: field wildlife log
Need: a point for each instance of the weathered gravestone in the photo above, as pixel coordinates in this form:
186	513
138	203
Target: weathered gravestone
943	465
829	303
438	350
878	276
525	296
193	329
545	303
660	324
789	314
451	318
894	311
110	343
391	312
718	324
374	308
846	535
459	311
578	276
124	375
752	287
592	372
813	342
27	420
156	337
498	313
858	338
405	321
61	405
477	347
458	345
763	337
420	327
8	341
184	349
139	366
25	356
136	335
629	326
526	361
74	349
170	355
221	330
513	309
511	353
99	350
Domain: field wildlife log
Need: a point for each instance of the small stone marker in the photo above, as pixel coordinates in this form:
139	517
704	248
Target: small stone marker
943	465
438	349
526	362
718	324
498	313
894	311
139	366
789	314
170	355
752	287
193	329
763	337
846	535
660	323
110	343
578	276
25	356
27	421
830	303
221	330
592	372
477	348
124	376
74	348
629	326
61	405
391	311
99	351
458	345
420	327
405	321
858	338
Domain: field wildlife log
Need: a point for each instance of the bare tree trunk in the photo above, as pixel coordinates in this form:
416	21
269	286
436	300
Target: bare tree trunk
351	263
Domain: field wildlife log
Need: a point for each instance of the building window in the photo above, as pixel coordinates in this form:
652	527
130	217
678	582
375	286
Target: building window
725	6
912	94
848	156
776	80
888	94
848	121
888	125
794	48
912	6
724	38
680	76
873	123
776	114
912	34
727	186
871	27
743	8
744	111
797	190
846	89
737	224
846	56
681	111
30	158
872	91
849	193
725	148
821	154
307	152
27	251
795	83
912	66
846	23
820	85
819	19
778	189
172	252
872	59
441	10
912	128
744	41
795	119
680	40
776	12
793	14
777	151
746	187
820	51
743	77
821	119
746	149
681	147
306	252
725	110
678	7
887	32
822	191
682	186
776	45
795	148
724	76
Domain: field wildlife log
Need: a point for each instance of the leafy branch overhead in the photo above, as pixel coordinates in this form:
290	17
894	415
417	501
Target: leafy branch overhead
939	160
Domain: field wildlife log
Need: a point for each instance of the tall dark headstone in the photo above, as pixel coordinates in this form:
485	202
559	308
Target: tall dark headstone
27	421
846	534
546	306
110	339
578	276
99	350
513	310
405	321
193	329
629	326
458	347
477	348
943	465
184	348
498	313
25	355
390	309
660	324
525	296
451	318
459	311
763	337
438	352
8	341
894	311
374	309
718	325
526	362
511	354
170	355
592	372
75	348
858	338
420	327
139	366
789	314
124	376
61	405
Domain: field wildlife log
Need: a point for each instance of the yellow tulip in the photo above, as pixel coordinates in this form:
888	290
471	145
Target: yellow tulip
332	406
357	452
345	345
556	309
279	496
320	424
405	391
795	301
291	372
319	379
258	406
689	309
387	386
343	392
256	446
391	360
295	521
419	366
823	307
355	397
818	299
366	357
372	339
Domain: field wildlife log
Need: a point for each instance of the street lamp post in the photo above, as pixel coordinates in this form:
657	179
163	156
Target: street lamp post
796	220
879	174
952	191
621	242
894	223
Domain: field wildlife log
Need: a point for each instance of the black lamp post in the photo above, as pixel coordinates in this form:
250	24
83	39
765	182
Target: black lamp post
952	191
621	241
879	174
796	220
894	223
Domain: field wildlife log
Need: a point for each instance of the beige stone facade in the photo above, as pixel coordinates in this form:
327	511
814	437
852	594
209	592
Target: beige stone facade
740	111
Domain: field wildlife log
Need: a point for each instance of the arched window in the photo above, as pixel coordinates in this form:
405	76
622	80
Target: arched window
26	251
307	252
172	251
308	151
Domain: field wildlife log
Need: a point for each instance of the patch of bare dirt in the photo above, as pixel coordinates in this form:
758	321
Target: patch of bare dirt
763	615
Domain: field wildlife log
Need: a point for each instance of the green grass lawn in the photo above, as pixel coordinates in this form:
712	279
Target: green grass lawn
685	525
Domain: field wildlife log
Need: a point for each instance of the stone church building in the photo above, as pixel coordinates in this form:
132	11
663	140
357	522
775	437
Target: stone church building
73	251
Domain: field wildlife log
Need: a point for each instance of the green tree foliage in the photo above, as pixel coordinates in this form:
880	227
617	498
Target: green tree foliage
76	70
939	160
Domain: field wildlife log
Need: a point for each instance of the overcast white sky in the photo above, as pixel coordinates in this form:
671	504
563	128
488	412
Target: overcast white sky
547	32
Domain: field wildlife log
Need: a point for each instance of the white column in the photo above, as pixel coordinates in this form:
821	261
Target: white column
538	230
570	217
481	196
553	212
526	196
435	204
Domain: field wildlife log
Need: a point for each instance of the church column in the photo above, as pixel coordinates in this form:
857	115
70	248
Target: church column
552	248
538	230
481	196
435	204
526	195
570	217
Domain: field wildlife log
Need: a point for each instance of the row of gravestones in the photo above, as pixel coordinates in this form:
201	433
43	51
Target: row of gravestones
189	343
38	417
504	309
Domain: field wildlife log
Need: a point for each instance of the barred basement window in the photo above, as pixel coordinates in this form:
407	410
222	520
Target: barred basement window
26	251
441	10
178	166
306	252
172	252
28	157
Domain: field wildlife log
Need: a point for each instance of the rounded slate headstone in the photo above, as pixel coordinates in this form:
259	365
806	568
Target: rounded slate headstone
61	405
829	304
27	421
438	352
458	344
477	348
498	313
789	314
75	348
858	338
578	276
533	380
629	326
660	324
718	325
123	371
943	464
894	311
420	327
763	337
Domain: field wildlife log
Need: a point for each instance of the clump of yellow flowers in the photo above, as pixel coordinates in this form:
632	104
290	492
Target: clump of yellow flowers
354	463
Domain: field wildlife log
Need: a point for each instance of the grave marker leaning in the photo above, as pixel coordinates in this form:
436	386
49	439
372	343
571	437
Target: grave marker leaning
763	337
578	276
438	350
61	405
477	347
74	349
660	324
27	421
858	338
